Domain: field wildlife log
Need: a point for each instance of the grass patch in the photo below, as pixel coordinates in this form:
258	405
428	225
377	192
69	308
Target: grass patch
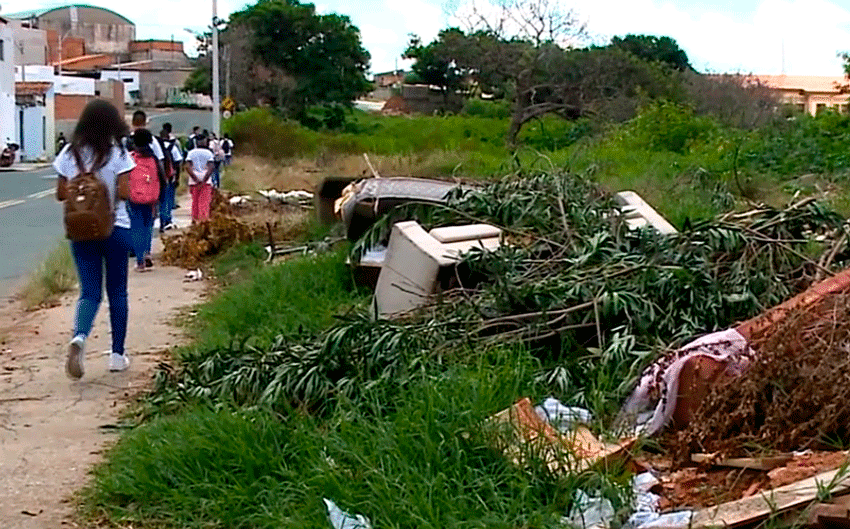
296	297
423	460
53	277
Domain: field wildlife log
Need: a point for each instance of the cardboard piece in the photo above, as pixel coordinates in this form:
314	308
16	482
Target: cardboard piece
574	452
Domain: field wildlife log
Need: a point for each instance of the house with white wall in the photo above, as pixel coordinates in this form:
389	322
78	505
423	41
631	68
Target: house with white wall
7	83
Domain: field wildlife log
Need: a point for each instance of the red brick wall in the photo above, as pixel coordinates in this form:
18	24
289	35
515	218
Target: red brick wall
161	45
71	47
70	106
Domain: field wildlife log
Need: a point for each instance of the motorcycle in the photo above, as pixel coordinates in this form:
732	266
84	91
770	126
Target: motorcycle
7	157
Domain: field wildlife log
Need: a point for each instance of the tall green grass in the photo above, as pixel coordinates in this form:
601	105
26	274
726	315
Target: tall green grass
424	459
296	297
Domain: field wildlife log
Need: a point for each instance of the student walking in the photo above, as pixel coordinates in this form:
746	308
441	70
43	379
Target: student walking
92	174
200	166
146	183
227	147
218	157
171	166
141	218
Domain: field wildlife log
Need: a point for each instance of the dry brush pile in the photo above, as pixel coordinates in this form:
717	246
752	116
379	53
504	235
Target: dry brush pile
793	395
231	225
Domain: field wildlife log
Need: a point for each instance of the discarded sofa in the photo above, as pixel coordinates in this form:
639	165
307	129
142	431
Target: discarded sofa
414	259
361	203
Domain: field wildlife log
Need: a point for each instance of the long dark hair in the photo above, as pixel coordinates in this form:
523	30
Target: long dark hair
100	127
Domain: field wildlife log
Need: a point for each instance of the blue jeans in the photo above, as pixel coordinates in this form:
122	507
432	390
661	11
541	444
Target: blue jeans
166	204
141	226
216	174
91	257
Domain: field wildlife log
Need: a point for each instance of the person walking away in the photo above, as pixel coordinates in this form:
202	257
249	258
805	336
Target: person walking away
191	143
167	126
140	120
92	181
171	165
146	183
199	166
227	146
60	142
218	158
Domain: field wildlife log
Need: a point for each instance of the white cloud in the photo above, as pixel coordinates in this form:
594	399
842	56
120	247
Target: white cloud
812	32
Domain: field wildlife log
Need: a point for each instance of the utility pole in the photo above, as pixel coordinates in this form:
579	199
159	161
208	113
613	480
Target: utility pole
227	70
216	89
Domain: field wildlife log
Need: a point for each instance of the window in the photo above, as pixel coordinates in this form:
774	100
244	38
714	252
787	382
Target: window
801	107
44	132
820	108
2	50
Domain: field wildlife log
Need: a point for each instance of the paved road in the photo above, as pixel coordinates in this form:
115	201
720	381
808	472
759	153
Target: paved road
181	121
30	224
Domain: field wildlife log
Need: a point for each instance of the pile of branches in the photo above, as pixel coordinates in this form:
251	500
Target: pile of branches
590	297
794	394
202	241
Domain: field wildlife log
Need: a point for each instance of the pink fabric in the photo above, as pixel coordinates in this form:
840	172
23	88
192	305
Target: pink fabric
201	200
662	377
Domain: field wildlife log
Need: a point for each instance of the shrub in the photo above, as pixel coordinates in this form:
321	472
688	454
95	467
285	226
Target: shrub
261	132
496	109
669	127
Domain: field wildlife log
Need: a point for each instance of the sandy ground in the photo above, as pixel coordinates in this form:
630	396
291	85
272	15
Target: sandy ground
53	430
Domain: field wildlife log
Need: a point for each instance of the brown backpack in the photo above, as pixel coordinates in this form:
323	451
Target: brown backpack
89	215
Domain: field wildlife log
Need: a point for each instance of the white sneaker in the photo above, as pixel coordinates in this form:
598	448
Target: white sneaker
118	362
76	356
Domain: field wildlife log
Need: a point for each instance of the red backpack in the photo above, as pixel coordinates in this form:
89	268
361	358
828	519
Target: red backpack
144	180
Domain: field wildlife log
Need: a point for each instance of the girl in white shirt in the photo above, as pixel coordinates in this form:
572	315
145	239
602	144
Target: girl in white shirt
97	140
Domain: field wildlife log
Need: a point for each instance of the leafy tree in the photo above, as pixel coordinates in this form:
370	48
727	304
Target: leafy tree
434	63
286	54
654	49
527	51
200	80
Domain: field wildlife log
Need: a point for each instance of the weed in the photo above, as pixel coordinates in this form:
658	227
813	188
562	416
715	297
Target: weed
54	276
420	459
296	297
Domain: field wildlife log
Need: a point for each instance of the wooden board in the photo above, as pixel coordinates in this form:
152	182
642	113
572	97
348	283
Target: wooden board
573	452
753	463
754	508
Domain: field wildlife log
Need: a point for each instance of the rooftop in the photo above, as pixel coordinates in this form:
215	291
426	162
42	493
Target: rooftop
36	13
806	83
31	88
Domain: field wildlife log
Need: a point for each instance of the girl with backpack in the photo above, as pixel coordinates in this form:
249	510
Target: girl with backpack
92	181
146	181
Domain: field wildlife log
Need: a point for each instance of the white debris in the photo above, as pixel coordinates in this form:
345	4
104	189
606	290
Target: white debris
590	512
239	200
193	275
342	520
562	418
289	197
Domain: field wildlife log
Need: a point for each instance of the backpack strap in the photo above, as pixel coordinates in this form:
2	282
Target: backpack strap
80	165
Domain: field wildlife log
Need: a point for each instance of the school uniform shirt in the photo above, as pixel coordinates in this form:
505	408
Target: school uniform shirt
199	158
118	162
176	153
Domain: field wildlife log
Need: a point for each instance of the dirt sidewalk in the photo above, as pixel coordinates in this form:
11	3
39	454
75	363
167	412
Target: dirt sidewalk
53	430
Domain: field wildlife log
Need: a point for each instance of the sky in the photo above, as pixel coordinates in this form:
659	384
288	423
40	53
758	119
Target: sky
796	37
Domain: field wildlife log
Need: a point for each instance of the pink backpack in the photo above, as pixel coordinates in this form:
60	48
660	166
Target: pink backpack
144	180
